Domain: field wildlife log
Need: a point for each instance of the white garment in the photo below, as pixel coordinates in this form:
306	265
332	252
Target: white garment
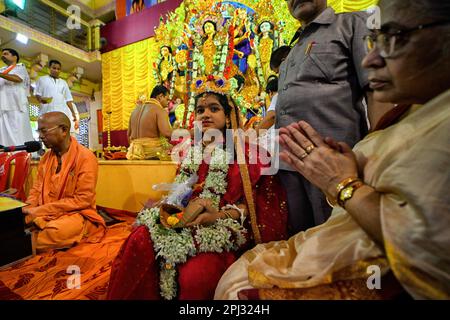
15	127
267	140
74	132
14	95
273	102
58	90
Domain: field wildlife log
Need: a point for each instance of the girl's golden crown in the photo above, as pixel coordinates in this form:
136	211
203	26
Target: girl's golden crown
211	83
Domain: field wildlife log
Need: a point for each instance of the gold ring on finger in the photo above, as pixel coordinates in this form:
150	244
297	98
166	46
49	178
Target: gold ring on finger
303	156
309	148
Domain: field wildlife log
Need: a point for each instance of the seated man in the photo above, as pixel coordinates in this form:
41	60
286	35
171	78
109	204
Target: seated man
62	200
149	128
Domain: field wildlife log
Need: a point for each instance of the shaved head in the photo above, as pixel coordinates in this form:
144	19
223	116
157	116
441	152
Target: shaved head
54	131
56	119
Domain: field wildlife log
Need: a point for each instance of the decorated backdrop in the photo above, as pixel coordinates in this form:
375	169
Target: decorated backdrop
233	39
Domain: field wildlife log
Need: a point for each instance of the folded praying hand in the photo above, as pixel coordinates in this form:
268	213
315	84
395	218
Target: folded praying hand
322	161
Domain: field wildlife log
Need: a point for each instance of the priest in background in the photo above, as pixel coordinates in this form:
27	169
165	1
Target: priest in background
149	128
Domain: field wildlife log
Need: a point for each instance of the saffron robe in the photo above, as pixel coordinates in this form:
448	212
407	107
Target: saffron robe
62	205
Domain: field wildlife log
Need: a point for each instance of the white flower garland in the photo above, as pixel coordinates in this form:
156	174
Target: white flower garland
197	59
259	71
222	57
217	238
175	246
156	71
172	81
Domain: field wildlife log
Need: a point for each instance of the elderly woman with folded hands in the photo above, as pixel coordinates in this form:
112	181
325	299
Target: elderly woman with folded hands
390	193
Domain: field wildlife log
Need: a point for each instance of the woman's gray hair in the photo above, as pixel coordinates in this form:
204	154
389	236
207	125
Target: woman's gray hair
434	10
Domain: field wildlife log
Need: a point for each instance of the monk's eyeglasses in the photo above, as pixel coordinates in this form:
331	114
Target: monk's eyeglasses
46	131
389	42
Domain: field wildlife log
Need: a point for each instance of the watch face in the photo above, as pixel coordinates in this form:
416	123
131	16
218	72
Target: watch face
346	193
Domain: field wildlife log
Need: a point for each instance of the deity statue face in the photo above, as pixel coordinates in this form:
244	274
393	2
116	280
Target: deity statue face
165	51
209	28
242	14
265	27
181	57
178	41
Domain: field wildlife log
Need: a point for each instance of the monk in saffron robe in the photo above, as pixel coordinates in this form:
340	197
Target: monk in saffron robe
62	200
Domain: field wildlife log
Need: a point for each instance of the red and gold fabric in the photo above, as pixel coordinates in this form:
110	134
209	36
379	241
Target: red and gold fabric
135	276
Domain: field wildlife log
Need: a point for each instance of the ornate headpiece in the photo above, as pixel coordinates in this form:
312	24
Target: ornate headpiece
211	83
265	12
163	35
204	5
215	17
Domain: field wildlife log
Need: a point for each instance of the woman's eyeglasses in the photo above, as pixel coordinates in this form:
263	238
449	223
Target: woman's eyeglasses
390	42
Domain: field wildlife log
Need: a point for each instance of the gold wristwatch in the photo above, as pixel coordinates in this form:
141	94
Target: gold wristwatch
347	193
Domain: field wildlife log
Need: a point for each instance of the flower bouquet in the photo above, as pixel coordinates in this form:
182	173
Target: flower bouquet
172	216
177	209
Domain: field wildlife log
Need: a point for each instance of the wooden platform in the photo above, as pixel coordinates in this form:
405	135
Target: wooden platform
127	184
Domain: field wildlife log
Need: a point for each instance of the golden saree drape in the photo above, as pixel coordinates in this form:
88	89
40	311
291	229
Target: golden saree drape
148	148
408	164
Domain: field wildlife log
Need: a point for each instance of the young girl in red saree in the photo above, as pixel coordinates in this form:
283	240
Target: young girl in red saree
239	207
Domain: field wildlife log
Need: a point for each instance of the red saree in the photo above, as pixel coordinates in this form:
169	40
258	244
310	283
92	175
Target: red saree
135	271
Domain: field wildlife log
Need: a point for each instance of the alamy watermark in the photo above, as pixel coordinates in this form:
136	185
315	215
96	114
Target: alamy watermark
74	280
374	19
374	280
73	21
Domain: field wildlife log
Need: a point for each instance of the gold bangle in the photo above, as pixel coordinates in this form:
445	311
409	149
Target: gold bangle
330	203
345	183
348	192
228	215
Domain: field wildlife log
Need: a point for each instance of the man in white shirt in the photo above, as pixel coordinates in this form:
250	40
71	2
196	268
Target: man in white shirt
15	127
54	94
